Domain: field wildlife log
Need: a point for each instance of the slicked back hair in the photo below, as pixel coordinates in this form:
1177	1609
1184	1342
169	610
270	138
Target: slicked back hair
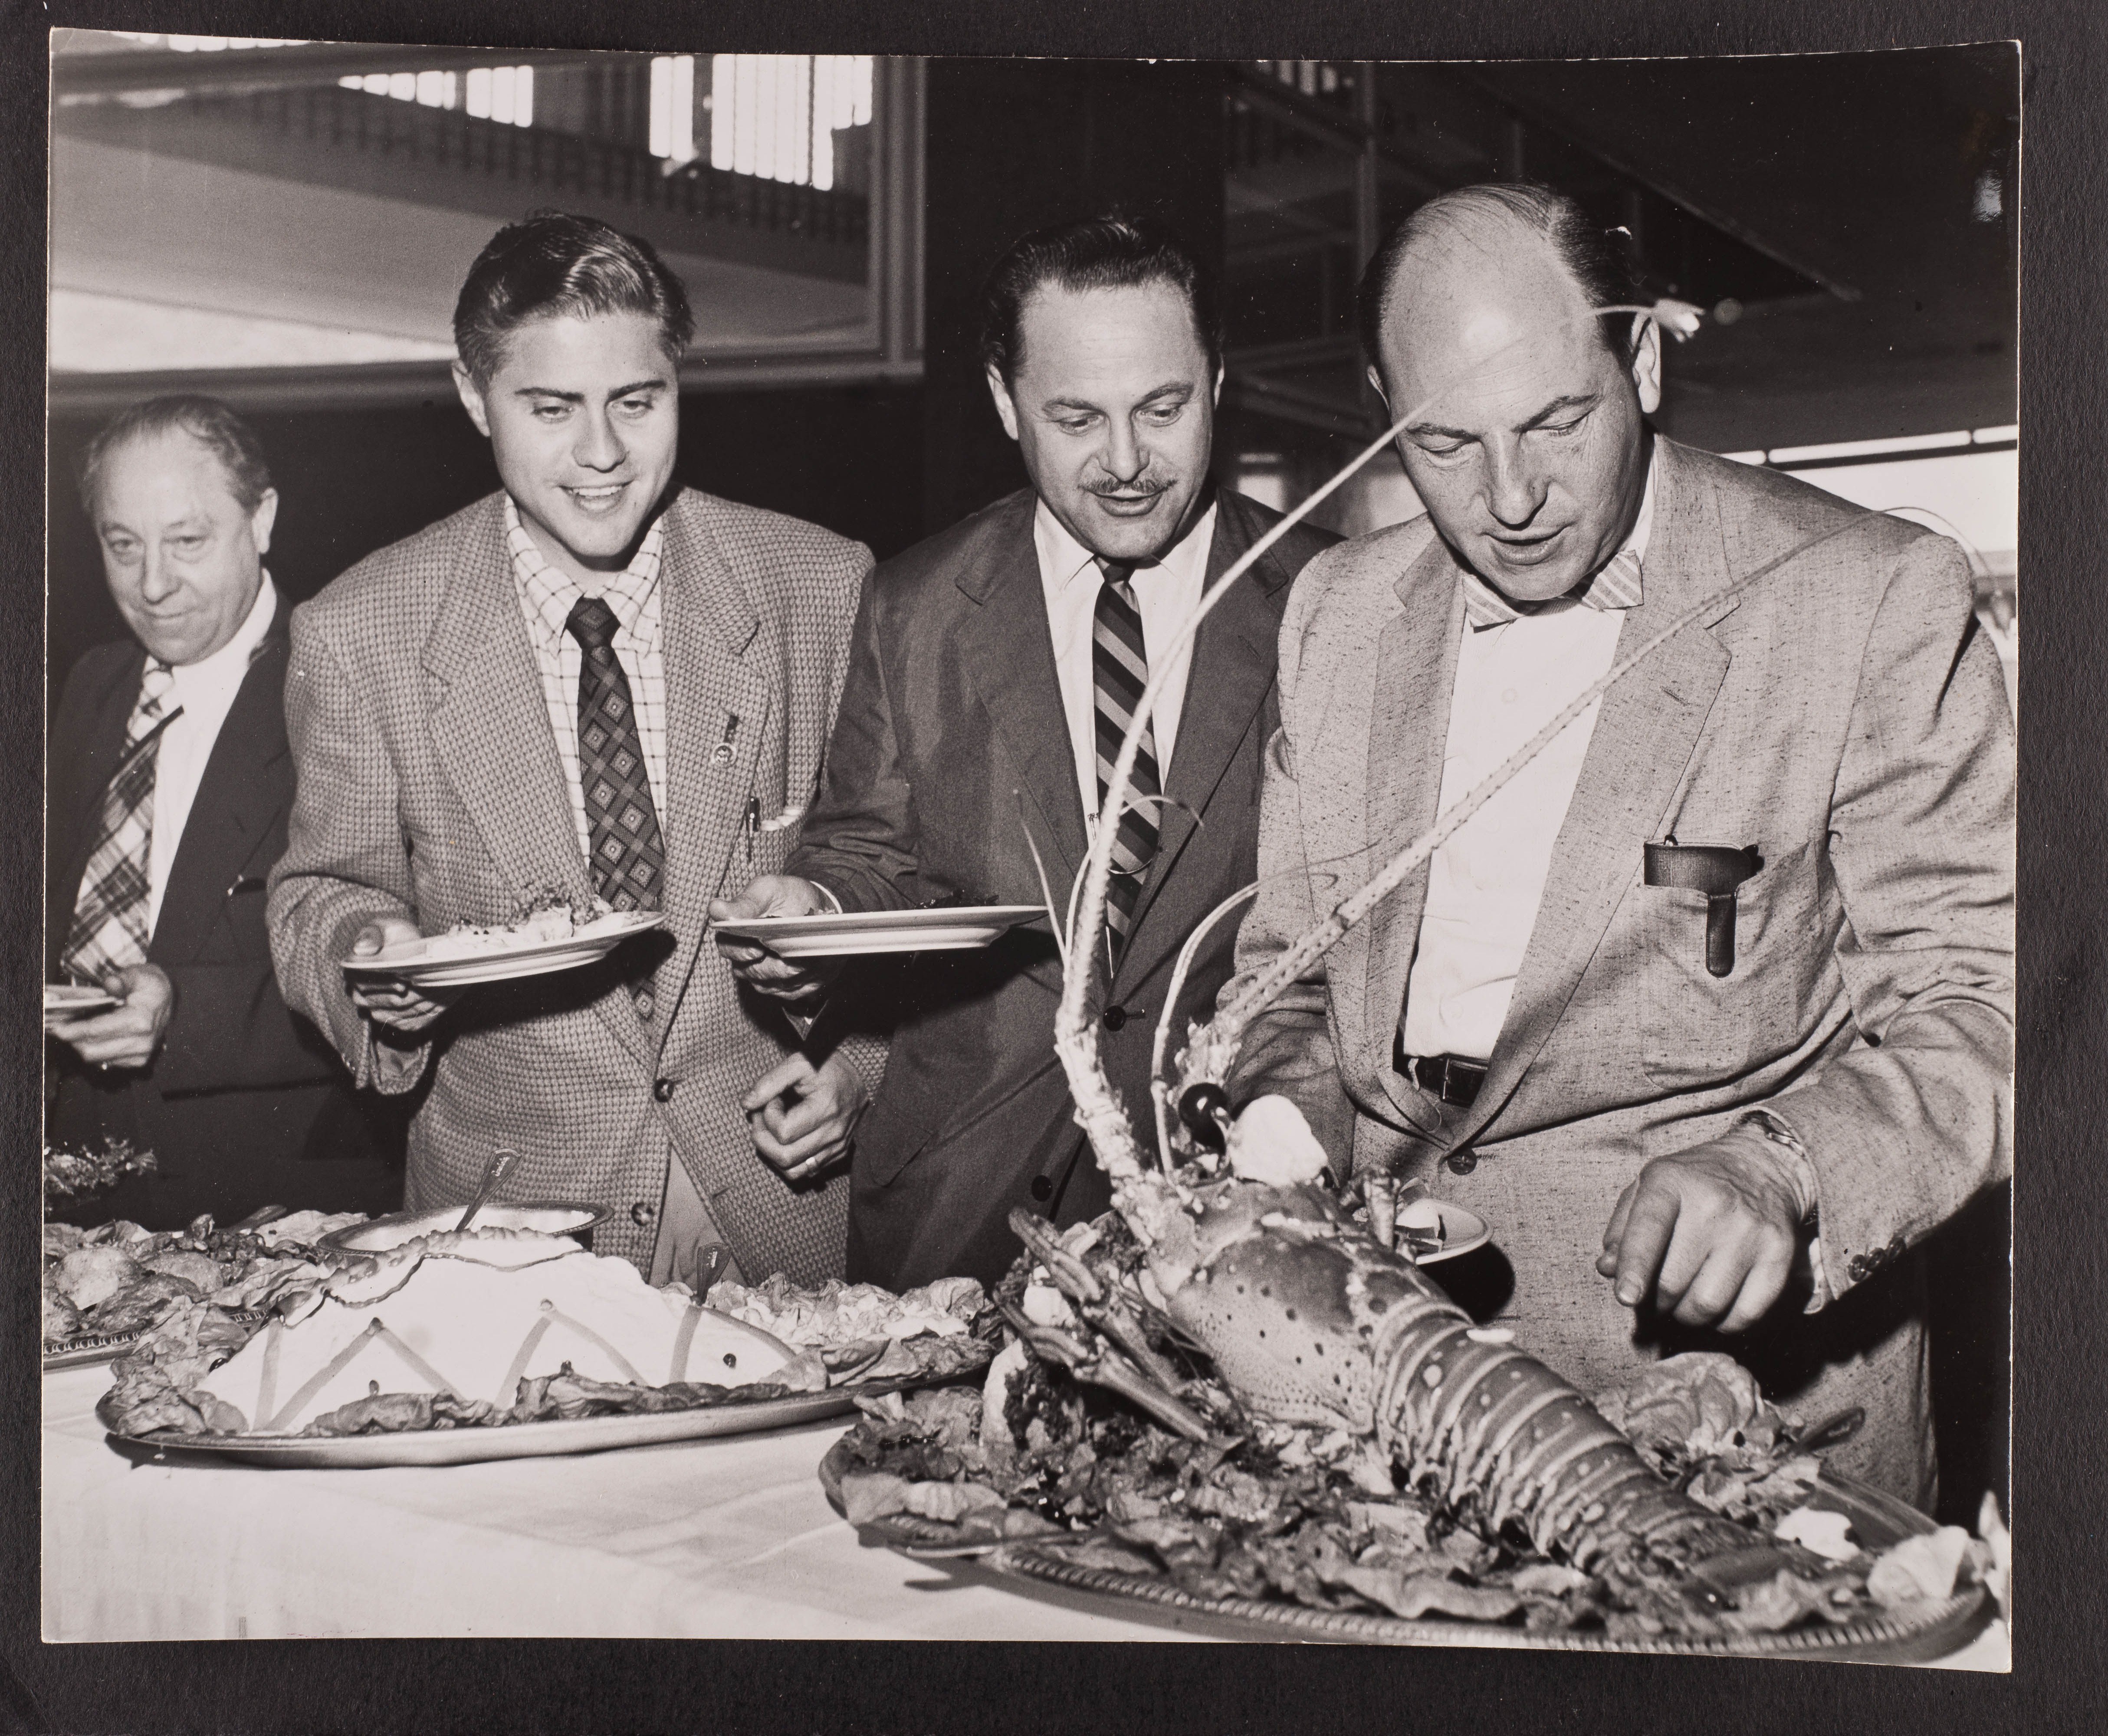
554	265
205	420
1600	260
1098	252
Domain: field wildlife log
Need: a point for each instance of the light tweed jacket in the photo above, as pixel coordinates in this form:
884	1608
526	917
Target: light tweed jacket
430	787
1845	717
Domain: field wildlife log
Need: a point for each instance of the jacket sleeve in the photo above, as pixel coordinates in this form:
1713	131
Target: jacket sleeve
345	861
859	840
1288	1050
1909	1121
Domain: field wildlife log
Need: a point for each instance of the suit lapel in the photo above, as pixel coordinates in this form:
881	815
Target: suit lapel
491	726
709	624
1007	656
1645	733
1409	735
238	800
1231	672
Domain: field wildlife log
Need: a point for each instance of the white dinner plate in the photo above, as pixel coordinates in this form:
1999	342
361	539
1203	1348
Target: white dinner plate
73	999
453	960
1461	1232
832	936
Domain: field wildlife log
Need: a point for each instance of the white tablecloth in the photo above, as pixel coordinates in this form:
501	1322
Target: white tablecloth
725	1538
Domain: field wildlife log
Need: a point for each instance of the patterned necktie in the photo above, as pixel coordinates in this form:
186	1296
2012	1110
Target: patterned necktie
1119	669
109	930
628	860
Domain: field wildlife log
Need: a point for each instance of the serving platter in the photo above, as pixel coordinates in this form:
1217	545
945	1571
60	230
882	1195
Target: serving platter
1915	1632
855	933
457	960
376	1235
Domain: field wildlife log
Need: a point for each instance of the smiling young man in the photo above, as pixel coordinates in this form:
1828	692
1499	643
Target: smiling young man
1709	1011
168	791
588	683
995	667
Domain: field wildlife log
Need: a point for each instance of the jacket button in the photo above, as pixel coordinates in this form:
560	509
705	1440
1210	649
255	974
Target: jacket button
641	1214
1860	1269
1897	1247
663	1090
1042	1189
1113	1018
1461	1162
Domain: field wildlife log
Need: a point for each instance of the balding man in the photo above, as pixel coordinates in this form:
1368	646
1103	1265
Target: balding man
168	790
1709	1013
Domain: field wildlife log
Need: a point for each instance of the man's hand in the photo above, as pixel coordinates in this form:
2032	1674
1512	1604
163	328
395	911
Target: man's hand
780	979
389	1000
1710	1235
126	1035
801	1117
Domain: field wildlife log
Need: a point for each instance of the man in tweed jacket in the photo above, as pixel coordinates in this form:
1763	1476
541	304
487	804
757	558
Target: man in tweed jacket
427	703
1543	1022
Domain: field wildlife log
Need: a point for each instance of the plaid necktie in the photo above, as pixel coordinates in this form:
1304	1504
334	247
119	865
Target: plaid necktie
1119	669
109	930
628	860
1617	587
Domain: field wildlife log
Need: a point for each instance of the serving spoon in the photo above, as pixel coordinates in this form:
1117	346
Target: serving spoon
494	1171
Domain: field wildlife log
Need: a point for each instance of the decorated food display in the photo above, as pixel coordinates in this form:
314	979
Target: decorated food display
497	1327
71	1173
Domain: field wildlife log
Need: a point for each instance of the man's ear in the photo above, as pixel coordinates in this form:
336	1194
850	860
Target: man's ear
471	397
1004	407
261	521
1647	363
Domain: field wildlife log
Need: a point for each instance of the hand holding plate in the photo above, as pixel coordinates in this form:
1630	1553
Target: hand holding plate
389	1001
752	962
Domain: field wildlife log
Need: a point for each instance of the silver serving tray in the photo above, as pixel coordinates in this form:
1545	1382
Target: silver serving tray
430	1446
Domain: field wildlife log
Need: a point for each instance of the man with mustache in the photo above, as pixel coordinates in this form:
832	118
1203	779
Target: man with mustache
585	683
1709	1012
994	671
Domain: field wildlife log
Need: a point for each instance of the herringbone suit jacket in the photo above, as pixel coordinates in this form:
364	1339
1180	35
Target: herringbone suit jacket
430	787
1846	717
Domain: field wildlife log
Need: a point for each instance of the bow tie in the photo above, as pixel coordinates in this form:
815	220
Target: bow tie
1616	587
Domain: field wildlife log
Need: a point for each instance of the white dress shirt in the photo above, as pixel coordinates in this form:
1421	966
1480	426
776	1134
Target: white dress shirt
206	691
547	595
1165	593
1485	883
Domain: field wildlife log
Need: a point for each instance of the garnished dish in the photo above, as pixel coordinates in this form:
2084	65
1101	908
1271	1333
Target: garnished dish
495	1332
105	1286
1102	1452
71	1172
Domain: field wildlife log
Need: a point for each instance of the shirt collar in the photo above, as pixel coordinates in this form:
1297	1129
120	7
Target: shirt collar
1065	559
230	662
551	593
1615	586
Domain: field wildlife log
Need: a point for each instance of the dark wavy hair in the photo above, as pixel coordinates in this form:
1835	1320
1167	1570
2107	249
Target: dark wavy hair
205	420
554	264
1600	260
1097	253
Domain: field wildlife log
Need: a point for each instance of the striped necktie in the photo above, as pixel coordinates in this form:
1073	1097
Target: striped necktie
1617	587
1120	668
109	930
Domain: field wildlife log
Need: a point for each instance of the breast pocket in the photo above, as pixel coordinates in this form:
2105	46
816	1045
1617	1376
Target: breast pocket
1698	1029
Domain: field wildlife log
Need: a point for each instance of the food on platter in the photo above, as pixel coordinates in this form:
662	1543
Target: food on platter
551	916
71	1172
119	1278
498	1327
1211	1495
841	1314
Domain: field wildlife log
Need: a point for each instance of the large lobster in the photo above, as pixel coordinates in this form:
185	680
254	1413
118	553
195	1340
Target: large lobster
1310	1318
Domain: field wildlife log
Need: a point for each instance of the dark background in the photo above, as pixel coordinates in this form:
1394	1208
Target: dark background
2061	1665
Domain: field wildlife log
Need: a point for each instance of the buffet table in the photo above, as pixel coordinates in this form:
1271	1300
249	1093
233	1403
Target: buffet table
725	1538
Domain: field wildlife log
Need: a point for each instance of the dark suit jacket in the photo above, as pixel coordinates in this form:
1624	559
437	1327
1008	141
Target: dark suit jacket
245	1104
951	742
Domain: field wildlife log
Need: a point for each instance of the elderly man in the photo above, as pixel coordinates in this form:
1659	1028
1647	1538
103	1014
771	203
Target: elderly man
1709	1013
995	668
592	682
169	792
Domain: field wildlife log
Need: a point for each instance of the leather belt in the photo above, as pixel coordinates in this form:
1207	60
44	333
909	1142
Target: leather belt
1452	1077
